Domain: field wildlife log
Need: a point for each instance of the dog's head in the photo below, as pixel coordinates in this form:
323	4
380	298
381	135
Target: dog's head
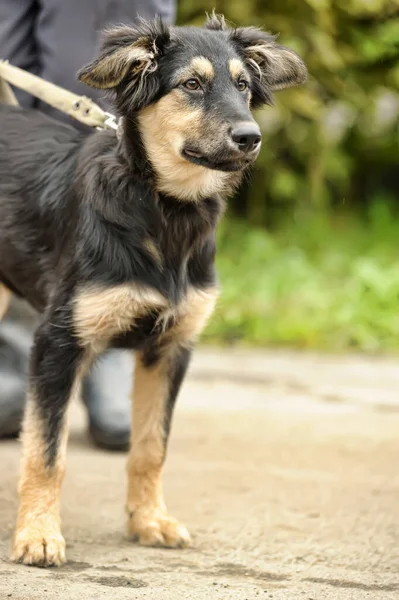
191	91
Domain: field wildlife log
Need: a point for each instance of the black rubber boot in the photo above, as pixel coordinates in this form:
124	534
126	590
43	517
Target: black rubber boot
106	394
15	342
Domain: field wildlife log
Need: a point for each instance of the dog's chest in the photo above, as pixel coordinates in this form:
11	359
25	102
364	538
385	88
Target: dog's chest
101	314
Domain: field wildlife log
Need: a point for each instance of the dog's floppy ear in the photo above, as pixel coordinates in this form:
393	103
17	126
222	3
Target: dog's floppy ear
274	67
126	51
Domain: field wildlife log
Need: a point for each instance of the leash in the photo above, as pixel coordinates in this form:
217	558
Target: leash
81	108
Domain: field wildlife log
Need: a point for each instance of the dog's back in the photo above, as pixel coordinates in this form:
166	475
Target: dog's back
37	162
29	138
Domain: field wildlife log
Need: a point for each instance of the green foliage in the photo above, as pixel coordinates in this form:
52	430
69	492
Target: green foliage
334	140
316	283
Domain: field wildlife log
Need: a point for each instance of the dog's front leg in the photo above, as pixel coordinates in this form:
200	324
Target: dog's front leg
157	381
56	364
156	385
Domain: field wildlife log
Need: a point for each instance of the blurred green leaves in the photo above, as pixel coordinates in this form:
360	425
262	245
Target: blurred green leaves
330	284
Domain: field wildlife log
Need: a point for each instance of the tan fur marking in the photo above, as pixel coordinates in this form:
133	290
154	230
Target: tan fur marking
150	390
5	299
101	313
236	68
153	249
148	518
38	539
203	67
193	314
165	126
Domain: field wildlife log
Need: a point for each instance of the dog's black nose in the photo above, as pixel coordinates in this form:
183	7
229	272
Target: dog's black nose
247	136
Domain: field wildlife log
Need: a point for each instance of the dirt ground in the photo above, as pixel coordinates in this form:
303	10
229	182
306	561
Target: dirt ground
283	466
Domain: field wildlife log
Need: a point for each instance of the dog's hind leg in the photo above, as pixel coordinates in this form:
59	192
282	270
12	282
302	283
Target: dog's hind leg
5	298
56	368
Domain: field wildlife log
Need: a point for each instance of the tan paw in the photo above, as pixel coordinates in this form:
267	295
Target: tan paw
157	528
40	550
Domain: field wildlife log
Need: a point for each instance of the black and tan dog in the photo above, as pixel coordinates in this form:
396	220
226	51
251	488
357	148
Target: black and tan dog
111	238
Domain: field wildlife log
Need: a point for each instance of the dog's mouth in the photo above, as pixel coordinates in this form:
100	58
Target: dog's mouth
219	164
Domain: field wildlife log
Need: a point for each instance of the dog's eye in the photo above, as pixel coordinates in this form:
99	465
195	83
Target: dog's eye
242	85
192	84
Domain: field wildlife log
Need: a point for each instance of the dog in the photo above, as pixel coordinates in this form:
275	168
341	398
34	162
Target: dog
112	238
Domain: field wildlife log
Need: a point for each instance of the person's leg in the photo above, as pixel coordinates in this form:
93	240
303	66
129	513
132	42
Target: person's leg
16	326
17	40
15	342
125	11
105	393
68	35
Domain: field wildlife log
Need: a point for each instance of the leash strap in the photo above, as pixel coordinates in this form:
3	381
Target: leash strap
81	108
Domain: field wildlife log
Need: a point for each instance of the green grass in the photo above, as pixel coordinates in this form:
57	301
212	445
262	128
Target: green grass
318	283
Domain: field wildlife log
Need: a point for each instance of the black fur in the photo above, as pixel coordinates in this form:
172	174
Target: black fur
180	366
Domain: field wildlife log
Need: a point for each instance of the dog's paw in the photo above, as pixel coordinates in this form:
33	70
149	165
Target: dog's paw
157	528
39	549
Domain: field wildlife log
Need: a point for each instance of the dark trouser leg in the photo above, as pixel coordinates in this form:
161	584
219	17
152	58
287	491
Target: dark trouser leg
15	342
68	35
156	386
17	39
106	392
56	366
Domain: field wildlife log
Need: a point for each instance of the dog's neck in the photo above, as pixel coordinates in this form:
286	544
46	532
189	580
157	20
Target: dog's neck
179	227
173	176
